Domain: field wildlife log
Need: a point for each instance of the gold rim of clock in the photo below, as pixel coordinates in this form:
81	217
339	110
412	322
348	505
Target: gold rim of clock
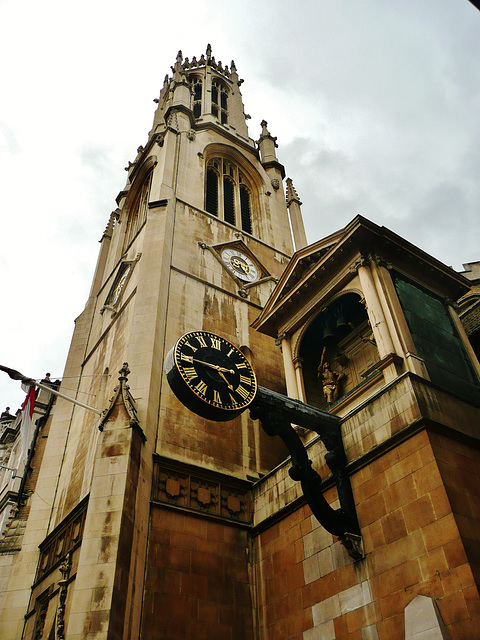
215	339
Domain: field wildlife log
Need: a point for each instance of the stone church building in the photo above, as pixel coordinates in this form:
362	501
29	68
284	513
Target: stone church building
141	519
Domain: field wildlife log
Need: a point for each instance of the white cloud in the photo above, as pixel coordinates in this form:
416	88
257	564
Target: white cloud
374	105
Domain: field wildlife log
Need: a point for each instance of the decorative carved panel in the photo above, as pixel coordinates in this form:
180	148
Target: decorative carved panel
63	539
207	492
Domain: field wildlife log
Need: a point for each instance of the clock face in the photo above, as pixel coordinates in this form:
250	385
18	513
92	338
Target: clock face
118	289
240	265
210	376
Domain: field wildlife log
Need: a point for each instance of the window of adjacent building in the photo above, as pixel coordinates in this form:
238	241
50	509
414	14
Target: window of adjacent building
196	84
219	101
436	338
227	194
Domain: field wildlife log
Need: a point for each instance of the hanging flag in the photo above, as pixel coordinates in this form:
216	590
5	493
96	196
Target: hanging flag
26	423
16	375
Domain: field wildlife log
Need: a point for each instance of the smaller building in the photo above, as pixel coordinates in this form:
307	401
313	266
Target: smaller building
17	476
469	305
368	330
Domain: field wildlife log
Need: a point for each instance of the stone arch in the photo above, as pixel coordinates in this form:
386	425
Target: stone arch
299	337
335	349
136	205
239	204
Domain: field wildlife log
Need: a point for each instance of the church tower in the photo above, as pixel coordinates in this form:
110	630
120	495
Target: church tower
143	508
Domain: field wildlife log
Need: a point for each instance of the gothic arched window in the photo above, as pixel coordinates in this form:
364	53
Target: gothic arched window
219	101
196	96
211	192
227	194
245	207
137	212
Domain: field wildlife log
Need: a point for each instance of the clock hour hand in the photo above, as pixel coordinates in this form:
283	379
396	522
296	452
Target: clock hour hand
214	366
228	383
241	267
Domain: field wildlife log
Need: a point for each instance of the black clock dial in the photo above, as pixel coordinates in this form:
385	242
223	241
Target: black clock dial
210	376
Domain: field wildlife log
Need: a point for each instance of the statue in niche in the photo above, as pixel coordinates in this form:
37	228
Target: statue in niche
330	379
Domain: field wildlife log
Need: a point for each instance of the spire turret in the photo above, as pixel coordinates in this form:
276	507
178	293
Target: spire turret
268	157
296	220
291	193
267	144
209	90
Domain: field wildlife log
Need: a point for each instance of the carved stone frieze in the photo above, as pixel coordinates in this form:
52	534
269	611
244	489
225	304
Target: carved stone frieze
233	504
202	491
62	541
172	487
204	495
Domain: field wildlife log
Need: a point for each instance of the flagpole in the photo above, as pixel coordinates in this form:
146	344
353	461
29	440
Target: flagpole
62	395
16	375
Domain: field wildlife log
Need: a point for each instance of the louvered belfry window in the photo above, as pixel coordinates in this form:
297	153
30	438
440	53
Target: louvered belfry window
245	209
227	194
137	212
228	200
211	195
196	84
219	101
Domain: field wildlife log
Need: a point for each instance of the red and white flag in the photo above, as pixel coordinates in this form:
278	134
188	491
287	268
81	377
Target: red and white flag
26	423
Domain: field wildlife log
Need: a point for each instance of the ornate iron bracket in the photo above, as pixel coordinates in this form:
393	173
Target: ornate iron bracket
276	414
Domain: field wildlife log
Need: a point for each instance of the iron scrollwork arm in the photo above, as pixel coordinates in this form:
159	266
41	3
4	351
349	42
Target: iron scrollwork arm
276	413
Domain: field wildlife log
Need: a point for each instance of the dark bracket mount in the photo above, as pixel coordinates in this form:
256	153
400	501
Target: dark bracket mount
276	413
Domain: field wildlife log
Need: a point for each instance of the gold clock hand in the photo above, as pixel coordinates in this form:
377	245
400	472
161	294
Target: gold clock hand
228	383
214	366
240	266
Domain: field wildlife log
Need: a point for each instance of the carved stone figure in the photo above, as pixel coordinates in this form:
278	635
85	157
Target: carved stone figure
330	380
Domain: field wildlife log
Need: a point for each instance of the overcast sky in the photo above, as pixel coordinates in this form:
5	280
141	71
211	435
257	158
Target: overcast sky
375	105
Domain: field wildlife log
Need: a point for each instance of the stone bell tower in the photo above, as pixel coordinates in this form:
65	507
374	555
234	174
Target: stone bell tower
144	508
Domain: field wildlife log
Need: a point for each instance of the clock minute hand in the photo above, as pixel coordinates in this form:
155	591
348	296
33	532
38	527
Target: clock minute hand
214	366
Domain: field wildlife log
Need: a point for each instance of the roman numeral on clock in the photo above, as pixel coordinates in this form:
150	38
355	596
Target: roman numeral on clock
243	392
215	343
246	380
190	373
201	387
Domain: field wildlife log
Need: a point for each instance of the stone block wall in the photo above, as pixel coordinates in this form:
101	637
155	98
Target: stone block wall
414	543
459	467
198	584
